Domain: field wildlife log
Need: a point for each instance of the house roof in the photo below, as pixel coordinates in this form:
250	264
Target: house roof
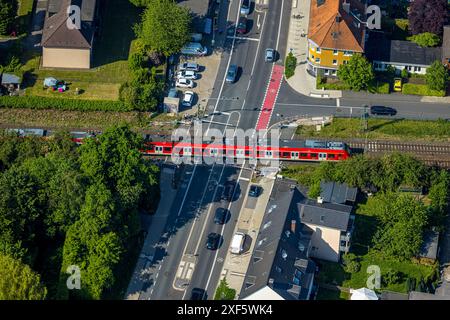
339	193
397	51
331	26
363	294
330	215
429	247
265	293
7	78
279	258
56	34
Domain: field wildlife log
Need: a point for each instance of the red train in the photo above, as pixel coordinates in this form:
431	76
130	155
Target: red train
295	150
309	150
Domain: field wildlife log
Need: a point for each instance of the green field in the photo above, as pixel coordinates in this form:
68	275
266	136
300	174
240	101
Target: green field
383	129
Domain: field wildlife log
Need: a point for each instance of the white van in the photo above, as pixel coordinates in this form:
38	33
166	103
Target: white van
237	244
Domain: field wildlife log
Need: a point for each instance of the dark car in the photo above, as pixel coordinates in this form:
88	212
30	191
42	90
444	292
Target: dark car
213	242
221	216
228	191
232	73
383	111
242	25
198	294
254	191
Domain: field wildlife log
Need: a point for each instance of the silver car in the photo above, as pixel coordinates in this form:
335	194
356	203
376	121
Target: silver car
191	75
245	7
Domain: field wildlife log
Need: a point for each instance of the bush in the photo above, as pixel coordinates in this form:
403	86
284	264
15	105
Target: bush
426	39
291	63
405	74
421	90
351	263
224	292
391	277
437	76
410	284
379	87
35	102
314	190
136	61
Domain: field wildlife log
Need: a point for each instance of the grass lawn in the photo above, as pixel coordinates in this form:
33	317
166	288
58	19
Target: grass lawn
383	129
68	120
25	7
327	294
110	65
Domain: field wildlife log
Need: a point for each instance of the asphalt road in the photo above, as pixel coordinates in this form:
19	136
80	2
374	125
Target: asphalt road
183	261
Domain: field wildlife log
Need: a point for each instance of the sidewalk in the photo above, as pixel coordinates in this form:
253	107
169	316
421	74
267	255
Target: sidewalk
250	218
302	81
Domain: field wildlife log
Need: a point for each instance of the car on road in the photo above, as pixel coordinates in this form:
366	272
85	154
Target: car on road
194	49
188	74
198	294
184	83
245	7
188	98
242	25
232	73
228	190
213	242
221	216
382	111
254	191
189	66
270	55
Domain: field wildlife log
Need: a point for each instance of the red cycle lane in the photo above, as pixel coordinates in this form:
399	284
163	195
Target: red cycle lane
271	96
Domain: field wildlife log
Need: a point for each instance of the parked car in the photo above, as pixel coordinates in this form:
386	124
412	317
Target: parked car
242	25
232	73
196	37
191	66
270	55
188	98
398	84
194	49
198	294
213	242
228	191
187	74
184	83
254	191
221	216
237	243
383	111
245	7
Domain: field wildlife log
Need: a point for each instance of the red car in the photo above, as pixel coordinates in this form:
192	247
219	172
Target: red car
242	25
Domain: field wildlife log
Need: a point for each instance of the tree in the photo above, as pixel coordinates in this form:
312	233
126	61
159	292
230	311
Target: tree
426	39
437	76
357	73
140	3
351	263
314	190
224	292
402	221
18	281
7	15
165	27
439	195
427	16
391	277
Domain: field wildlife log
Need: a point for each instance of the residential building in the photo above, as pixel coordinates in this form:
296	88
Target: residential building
64	46
331	220
400	55
446	47
279	267
336	32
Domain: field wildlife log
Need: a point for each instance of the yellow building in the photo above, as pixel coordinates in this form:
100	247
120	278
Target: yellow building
335	33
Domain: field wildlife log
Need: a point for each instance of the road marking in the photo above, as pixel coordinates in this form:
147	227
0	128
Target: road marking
245	179
243	38
258	24
256	58
281	22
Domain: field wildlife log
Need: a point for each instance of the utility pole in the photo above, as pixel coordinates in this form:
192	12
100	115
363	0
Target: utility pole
365	119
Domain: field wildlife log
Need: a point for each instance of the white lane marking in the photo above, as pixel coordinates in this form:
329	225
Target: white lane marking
315	105
243	38
281	22
257	54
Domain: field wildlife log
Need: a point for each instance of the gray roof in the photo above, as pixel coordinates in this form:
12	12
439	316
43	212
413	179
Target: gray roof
277	256
56	34
417	295
9	79
429	247
330	215
390	295
402	52
340	193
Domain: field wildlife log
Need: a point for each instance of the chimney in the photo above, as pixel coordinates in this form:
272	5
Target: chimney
319	200
346	6
293	225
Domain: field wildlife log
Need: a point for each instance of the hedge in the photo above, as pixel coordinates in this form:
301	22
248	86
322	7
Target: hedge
421	90
35	102
290	64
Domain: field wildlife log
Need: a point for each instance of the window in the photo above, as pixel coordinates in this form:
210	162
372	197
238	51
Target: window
318	50
331	156
345	61
312	57
334	72
417	69
335	52
303	155
167	149
327	72
317	60
348	53
286	154
334	62
313	155
343	243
